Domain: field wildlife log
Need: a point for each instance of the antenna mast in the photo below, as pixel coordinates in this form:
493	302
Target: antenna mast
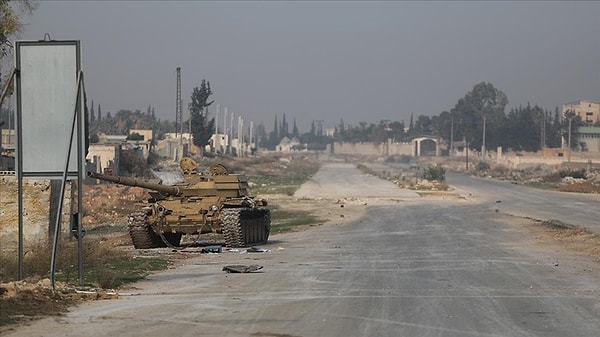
178	108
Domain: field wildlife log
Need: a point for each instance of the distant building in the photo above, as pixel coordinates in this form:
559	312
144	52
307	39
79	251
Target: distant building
219	142
143	144
147	134
589	111
7	149
106	153
588	138
288	145
174	146
104	156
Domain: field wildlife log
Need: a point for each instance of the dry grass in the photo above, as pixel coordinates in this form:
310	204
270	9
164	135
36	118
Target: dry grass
104	265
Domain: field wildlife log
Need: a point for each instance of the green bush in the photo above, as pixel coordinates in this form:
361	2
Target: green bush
482	166
435	173
577	174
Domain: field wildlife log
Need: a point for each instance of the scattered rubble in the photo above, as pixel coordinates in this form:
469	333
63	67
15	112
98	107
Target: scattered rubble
24	300
242	268
61	291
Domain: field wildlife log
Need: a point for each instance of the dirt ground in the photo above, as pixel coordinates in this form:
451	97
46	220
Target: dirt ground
108	205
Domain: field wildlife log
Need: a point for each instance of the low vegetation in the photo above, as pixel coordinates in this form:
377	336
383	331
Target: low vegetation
105	267
284	180
285	220
432	178
437	173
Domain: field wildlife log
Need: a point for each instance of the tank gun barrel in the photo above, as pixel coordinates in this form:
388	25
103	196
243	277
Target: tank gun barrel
128	181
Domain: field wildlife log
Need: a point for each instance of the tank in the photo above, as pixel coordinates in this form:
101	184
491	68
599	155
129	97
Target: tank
211	202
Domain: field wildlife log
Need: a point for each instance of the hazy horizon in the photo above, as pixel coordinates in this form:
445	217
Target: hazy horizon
360	61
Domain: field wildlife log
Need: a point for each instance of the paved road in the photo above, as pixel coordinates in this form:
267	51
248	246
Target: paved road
572	208
342	180
414	267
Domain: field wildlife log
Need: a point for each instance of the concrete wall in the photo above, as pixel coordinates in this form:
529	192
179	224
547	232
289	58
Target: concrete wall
106	156
146	133
592	142
9	138
520	160
369	148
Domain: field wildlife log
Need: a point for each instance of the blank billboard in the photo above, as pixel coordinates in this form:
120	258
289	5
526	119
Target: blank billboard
46	99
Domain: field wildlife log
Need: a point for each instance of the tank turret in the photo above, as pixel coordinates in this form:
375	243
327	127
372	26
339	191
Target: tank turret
212	202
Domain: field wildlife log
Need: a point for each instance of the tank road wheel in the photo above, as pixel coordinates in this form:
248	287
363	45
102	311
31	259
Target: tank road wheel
244	227
141	233
232	230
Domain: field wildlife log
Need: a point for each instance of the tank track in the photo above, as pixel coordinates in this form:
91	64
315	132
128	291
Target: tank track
143	237
244	227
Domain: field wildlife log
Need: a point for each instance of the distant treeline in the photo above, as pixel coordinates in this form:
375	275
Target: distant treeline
527	128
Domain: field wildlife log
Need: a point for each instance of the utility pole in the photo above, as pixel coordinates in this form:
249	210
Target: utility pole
231	133
483	142
226	140
178	108
251	133
240	131
451	135
543	131
569	114
216	137
570	120
467	154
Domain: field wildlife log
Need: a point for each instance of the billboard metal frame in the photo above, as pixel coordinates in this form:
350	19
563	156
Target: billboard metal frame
50	118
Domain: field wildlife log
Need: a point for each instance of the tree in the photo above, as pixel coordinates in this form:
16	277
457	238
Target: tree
10	24
524	128
397	130
10	21
284	128
295	132
276	130
571	122
423	126
92	114
481	106
201	126
443	124
553	131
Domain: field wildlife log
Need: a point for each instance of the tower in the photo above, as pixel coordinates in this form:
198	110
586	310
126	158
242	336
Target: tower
178	107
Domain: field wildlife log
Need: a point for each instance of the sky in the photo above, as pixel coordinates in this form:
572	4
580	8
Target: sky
328	60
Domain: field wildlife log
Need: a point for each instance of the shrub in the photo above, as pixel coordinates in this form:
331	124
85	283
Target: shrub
577	174
482	166
435	173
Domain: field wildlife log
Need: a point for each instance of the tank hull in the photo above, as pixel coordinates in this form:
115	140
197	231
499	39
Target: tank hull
216	203
241	227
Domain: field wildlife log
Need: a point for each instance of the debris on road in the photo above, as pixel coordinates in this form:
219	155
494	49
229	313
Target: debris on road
257	250
211	249
242	268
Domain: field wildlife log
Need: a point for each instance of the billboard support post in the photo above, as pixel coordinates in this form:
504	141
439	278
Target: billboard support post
49	86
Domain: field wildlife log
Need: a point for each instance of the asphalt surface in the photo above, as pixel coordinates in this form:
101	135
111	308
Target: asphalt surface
578	209
408	267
